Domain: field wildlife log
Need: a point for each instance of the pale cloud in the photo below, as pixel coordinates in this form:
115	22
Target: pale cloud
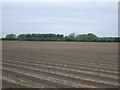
99	18
60	0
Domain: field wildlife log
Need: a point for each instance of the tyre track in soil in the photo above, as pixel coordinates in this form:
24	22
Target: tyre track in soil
96	64
65	76
57	67
106	70
32	68
41	78
103	85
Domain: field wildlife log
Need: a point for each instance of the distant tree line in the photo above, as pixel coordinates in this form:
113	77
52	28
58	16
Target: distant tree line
90	37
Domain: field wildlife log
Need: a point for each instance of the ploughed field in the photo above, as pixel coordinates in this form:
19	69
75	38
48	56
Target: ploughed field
27	64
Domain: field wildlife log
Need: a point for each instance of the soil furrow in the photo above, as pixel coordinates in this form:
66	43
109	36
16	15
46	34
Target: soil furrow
64	75
47	79
91	64
66	69
80	67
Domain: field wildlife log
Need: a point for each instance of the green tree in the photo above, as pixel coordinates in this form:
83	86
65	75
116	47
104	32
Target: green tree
91	37
81	37
23	37
72	35
86	37
10	37
117	39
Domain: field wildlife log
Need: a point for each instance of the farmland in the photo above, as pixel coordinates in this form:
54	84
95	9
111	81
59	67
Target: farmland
31	64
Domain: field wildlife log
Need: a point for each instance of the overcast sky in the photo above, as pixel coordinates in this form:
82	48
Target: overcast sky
100	18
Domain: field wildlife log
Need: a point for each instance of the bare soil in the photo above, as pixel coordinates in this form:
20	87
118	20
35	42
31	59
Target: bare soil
31	64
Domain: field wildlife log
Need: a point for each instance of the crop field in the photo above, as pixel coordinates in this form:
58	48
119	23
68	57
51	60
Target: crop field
32	64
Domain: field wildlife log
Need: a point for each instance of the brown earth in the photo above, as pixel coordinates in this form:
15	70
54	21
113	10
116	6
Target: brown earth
28	64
